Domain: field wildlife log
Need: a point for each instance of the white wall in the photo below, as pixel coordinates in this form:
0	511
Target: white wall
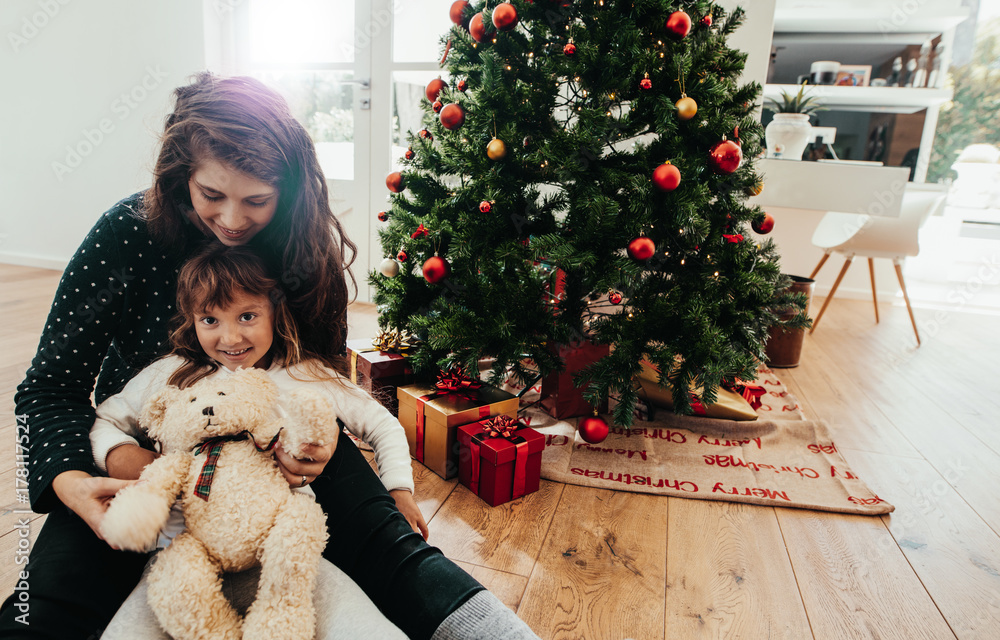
86	86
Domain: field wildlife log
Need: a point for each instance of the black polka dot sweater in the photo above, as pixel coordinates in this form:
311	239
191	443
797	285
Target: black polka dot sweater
108	321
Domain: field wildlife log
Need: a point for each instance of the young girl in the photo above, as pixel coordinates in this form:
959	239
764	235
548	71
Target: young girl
231	314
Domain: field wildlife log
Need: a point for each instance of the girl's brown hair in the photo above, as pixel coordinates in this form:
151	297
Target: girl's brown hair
242	123
212	278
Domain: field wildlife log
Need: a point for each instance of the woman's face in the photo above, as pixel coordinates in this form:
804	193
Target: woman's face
230	205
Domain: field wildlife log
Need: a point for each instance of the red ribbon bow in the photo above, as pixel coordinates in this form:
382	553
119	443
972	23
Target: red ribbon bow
751	392
420	232
501	426
733	238
455	382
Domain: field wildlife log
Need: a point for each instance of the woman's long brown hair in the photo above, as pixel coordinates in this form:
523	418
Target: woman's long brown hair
242	123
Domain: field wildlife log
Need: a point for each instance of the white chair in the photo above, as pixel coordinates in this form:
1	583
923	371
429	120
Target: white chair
878	237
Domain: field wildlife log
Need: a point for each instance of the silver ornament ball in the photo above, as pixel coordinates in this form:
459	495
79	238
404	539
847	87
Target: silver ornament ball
389	268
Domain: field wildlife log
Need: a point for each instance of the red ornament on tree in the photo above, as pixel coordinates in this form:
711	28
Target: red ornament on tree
477	28
462	85
435	269
437	106
410	154
679	24
434	88
452	116
593	429
646	84
615	298
763	225
666	177
401	256
569	49
707	21
425	134
485	206
725	156
457	12
505	17
383	216
394	182
641	249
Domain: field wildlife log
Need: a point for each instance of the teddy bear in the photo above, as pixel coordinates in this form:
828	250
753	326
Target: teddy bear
216	438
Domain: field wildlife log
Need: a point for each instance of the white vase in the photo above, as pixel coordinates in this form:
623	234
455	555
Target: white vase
787	135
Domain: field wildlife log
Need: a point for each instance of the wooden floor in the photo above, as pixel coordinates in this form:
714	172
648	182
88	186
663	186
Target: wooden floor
920	425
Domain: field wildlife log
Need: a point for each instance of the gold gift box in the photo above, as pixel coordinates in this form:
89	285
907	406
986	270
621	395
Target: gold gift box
443	415
729	405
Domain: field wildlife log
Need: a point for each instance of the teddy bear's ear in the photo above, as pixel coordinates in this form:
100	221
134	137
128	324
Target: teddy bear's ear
152	413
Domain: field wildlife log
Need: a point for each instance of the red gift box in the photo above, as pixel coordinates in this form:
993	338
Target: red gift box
379	372
560	397
500	468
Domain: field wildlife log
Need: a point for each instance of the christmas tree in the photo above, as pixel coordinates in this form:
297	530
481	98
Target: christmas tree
582	175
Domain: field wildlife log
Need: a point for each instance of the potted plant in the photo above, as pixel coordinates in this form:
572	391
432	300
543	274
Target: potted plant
788	134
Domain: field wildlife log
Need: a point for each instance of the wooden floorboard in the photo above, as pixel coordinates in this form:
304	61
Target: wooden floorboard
918	424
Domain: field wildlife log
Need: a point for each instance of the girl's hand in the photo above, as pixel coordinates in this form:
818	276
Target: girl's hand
311	461
408	507
127	461
87	496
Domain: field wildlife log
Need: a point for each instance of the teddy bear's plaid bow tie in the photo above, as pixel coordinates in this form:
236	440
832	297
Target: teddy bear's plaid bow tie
214	448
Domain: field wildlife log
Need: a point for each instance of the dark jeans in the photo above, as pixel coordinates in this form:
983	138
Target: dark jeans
76	582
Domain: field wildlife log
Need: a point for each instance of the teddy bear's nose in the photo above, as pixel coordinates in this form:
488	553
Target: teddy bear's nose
207	411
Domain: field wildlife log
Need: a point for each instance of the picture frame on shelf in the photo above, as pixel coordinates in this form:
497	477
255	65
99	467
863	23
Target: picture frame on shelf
854	75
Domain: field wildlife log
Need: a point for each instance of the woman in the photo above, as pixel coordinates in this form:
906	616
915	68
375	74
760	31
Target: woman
234	165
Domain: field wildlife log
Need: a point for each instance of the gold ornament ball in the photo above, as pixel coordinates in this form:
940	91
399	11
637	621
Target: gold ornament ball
686	108
757	189
496	149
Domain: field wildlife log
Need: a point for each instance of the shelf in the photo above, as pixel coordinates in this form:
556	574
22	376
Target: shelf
881	19
871	99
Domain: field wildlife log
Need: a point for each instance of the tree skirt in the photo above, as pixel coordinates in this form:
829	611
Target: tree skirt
780	459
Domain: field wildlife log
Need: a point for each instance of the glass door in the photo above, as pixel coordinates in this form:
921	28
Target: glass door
318	54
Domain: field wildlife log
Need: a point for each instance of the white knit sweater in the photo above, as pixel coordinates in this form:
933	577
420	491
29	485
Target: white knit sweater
118	417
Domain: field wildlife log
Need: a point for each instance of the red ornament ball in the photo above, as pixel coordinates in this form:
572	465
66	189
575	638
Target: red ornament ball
452	116
641	249
485	206
477	28
394	182
425	134
679	24
505	17
410	154
434	88
435	269
569	49
401	256
593	429
457	12
707	21
646	84
763	225
666	177
463	85
437	106
383	215
725	156
615	298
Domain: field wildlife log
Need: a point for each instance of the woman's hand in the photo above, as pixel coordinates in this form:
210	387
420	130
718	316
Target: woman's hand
408	507
87	496
310	462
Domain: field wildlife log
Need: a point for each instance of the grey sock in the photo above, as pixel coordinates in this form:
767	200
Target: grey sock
483	617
